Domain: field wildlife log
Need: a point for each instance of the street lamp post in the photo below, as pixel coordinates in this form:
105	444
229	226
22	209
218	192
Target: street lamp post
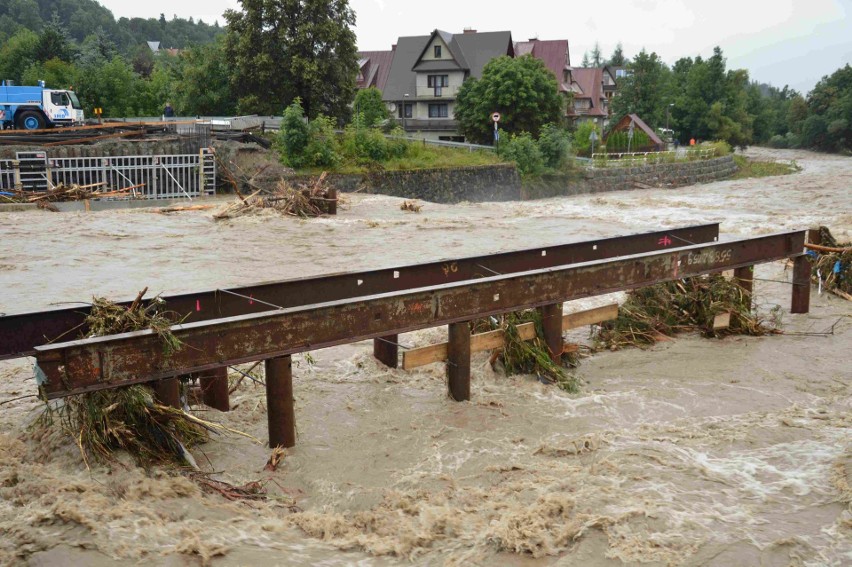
404	110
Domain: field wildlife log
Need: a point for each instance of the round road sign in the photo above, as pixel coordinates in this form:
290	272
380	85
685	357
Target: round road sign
495	117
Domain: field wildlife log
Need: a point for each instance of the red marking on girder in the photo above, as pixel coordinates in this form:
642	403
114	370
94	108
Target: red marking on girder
251	299
198	305
665	241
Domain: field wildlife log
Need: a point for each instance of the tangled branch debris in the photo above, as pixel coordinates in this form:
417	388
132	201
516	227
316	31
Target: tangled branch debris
129	418
411	207
691	305
520	356
304	202
62	193
832	265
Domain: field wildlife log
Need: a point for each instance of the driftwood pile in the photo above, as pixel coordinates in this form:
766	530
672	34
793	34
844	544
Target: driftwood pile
63	193
303	201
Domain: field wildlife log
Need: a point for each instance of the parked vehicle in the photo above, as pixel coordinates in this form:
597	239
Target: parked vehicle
34	108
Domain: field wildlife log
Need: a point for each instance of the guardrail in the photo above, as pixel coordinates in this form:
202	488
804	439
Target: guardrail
442	143
632	159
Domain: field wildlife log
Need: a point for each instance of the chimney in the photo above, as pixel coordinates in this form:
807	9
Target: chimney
534	38
469	30
393	47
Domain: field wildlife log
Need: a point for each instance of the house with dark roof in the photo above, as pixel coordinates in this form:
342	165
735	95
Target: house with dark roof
593	89
374	68
427	72
623	125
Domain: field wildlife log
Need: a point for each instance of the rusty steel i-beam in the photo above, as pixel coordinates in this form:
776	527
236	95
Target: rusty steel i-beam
21	333
108	362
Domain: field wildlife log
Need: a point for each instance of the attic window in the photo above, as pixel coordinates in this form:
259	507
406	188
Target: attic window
437	52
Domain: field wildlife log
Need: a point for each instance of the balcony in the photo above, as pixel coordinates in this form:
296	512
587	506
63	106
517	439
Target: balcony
432	93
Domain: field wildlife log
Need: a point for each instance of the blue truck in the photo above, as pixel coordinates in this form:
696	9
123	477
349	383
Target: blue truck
34	108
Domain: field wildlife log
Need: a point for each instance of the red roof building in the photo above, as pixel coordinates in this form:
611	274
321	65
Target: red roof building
374	68
593	89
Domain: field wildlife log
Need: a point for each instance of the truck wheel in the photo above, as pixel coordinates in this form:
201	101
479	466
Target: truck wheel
30	120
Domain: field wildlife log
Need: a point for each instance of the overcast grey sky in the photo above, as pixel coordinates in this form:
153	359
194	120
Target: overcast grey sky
793	42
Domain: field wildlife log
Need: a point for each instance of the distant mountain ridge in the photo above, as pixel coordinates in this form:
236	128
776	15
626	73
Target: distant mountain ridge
85	17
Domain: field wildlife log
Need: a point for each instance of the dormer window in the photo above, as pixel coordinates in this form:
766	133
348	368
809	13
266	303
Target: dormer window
437	52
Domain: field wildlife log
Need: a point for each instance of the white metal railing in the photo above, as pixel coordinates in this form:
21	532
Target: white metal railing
7	174
632	159
151	177
443	143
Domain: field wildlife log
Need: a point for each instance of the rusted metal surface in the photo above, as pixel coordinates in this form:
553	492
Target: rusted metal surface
107	362
386	350
801	285
214	389
280	404
458	361
551	325
20	333
167	392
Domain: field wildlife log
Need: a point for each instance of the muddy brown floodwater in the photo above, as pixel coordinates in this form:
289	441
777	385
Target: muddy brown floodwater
695	452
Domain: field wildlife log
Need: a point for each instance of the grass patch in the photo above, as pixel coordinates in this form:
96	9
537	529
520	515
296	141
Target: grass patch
748	168
417	156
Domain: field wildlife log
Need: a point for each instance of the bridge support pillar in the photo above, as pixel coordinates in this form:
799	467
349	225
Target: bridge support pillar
551	324
801	285
214	389
458	361
280	403
167	392
386	350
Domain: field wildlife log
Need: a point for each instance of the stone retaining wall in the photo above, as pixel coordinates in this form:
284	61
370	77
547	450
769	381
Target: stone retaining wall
666	175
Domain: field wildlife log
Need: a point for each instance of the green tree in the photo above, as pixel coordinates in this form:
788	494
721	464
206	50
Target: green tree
202	82
54	43
294	135
56	74
281	50
643	90
596	58
586	61
582	141
369	105
555	145
17	54
112	86
617	58
521	89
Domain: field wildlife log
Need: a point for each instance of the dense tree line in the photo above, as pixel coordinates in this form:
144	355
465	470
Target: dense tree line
80	18
702	99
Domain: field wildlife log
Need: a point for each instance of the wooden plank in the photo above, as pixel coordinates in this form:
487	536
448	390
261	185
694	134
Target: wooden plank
423	356
722	321
491	340
590	317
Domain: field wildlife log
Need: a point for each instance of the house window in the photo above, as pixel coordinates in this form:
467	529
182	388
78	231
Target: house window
438	82
437	52
620	73
408	110
438	111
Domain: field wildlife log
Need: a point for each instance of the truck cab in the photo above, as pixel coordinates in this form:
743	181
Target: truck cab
34	108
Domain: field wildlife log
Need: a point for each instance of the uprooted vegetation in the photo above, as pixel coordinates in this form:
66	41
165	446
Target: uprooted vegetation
693	305
128	418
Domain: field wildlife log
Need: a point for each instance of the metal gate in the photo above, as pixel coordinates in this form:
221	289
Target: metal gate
151	177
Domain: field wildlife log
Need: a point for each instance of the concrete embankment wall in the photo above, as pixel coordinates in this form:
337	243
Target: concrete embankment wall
666	175
502	182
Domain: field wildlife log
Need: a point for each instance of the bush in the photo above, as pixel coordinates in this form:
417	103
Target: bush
581	138
294	135
555	146
778	141
524	151
364	144
307	145
793	140
370	107
322	149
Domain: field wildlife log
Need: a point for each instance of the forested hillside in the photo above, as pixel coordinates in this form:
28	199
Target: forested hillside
81	18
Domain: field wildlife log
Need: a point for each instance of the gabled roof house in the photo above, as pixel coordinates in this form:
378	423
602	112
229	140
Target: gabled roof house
373	69
428	71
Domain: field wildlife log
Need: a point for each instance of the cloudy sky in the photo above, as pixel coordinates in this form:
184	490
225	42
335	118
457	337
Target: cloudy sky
793	42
